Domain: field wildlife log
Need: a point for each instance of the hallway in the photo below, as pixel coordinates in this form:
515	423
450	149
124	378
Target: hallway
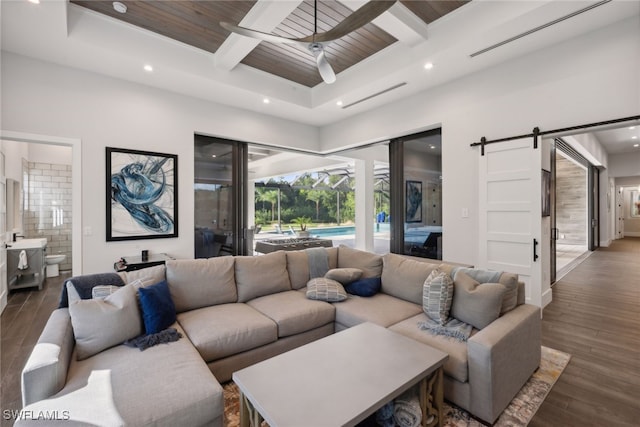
595	317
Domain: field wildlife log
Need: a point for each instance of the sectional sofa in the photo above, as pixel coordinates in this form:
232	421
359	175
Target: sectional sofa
236	311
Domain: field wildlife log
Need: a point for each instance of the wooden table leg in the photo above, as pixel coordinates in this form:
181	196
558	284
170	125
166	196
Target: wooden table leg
432	399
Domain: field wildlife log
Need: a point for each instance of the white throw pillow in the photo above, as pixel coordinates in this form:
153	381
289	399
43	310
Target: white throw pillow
324	289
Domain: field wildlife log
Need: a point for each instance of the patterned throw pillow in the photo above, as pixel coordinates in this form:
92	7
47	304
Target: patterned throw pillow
437	296
324	289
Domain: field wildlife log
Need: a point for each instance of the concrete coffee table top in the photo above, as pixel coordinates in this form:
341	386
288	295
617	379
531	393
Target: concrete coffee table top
338	380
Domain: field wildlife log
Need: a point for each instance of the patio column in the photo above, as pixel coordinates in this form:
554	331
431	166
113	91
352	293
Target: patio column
364	205
251	203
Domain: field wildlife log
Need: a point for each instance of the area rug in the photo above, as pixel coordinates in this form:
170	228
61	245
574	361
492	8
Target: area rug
518	414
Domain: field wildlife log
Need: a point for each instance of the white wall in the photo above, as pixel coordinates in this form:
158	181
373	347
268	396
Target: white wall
54	154
624	164
589	79
46	99
583	80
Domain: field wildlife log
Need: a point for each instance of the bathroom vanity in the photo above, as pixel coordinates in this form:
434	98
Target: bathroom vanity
32	274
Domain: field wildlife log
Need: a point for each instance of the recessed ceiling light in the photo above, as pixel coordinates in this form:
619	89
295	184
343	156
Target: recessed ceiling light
266	100
636	145
432	147
119	7
148	68
214	156
428	66
34	1
632	127
339	103
634	137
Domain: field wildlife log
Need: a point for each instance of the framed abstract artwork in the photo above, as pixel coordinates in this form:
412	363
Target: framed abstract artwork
413	197
635	204
142	194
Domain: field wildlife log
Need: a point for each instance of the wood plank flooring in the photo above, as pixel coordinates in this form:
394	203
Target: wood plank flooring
21	323
594	316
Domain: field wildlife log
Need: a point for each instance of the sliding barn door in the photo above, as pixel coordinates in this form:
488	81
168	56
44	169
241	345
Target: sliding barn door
510	212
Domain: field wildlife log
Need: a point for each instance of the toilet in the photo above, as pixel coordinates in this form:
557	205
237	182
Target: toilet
52	264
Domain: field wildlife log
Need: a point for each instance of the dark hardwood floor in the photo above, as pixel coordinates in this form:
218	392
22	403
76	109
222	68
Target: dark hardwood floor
21	323
594	316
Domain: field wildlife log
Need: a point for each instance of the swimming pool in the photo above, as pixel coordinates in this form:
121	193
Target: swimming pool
342	230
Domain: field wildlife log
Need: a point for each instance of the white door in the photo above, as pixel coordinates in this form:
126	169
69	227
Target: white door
4	291
510	212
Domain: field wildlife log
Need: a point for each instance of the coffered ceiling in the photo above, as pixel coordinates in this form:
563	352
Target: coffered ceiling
197	23
381	63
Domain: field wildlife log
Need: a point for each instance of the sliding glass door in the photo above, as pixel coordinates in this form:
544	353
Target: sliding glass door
416	194
220	198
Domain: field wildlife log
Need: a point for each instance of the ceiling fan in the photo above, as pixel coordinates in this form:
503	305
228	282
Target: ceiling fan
315	43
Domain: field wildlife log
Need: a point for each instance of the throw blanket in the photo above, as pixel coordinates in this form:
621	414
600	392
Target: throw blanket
143	342
480	276
318	262
85	284
406	410
452	328
384	416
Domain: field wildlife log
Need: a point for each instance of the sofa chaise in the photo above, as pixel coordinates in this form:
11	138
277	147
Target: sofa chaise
236	311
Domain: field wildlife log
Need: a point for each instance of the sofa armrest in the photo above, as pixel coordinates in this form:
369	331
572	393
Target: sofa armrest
502	357
45	372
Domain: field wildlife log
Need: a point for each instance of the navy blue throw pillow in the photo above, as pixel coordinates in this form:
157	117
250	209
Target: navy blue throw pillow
364	287
158	310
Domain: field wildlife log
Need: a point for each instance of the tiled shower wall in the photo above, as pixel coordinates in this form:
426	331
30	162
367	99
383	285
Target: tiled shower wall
48	207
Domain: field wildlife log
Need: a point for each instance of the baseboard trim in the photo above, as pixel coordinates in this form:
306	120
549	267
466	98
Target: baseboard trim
632	234
547	297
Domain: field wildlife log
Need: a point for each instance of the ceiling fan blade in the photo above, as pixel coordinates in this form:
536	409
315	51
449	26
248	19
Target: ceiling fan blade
324	68
357	19
259	35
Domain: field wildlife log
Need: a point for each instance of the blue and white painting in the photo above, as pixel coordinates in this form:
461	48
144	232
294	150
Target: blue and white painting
142	195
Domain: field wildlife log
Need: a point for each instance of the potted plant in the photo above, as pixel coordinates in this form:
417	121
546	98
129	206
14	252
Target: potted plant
302	221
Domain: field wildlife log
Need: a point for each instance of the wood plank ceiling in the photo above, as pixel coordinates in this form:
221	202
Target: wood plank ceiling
196	23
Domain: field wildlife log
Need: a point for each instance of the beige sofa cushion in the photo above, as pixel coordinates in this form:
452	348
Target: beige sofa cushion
147	276
298	266
197	283
404	278
126	386
456	365
369	263
380	309
510	299
261	275
475	303
222	330
99	324
293	312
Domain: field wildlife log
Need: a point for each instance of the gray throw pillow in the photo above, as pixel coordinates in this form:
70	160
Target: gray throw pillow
344	275
474	303
437	296
101	324
324	289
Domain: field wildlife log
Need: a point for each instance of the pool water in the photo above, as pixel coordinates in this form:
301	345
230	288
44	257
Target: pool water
342	230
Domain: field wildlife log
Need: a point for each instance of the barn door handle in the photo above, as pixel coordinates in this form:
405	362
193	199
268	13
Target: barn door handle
535	248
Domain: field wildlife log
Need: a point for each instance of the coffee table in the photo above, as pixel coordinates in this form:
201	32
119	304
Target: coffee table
341	379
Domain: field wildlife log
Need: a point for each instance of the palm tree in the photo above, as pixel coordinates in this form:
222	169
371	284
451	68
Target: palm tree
315	196
270	196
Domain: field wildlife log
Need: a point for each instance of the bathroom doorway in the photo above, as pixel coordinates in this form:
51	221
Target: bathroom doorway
67	211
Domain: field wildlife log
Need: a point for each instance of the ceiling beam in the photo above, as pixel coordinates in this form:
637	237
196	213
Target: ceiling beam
264	16
398	21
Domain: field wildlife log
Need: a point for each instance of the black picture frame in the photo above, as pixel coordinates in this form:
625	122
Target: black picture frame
546	193
141	194
413	201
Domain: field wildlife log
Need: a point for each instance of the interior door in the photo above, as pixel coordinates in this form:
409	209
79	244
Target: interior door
510	226
4	291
